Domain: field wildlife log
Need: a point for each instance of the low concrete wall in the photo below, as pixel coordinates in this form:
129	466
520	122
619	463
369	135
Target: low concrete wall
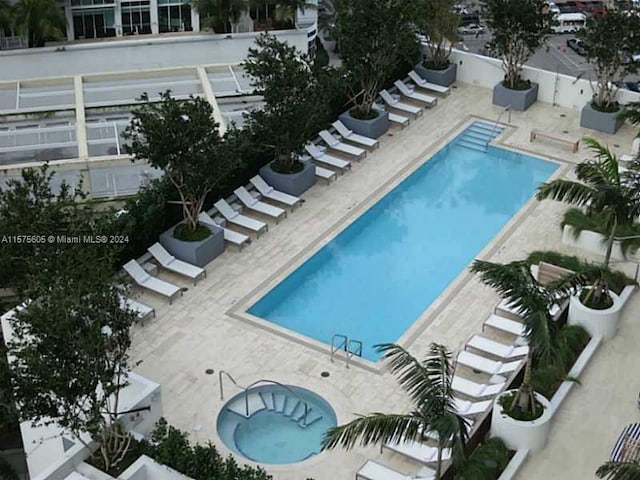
595	243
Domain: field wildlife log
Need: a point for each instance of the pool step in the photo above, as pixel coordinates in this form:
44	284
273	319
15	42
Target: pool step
291	407
267	399
311	419
299	415
279	402
478	136
239	407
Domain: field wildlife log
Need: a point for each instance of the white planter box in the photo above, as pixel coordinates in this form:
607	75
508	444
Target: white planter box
521	435
599	323
596	243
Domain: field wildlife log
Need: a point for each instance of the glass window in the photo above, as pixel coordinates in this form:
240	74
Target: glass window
136	18
94	23
174	18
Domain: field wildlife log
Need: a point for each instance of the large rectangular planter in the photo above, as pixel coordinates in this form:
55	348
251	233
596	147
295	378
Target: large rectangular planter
600	121
196	253
440	77
374	128
516	99
291	183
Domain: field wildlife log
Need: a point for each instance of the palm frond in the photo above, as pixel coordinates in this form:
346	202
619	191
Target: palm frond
619	471
425	381
566	191
631	113
374	429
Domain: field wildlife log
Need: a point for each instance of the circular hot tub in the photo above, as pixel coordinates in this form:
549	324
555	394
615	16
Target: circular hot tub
272	424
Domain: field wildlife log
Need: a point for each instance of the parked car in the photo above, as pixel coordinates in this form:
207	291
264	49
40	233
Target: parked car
633	86
471	29
577	46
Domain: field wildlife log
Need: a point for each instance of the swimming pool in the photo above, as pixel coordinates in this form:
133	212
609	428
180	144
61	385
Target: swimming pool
374	279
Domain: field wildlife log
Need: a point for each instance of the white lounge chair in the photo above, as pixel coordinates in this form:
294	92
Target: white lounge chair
171	263
504	324
466	408
398	105
507	309
326	174
476	390
376	471
256	205
144	280
142	311
236	218
267	191
231	236
496	348
418	451
422	83
394	117
327	159
333	142
410	92
350	136
483	364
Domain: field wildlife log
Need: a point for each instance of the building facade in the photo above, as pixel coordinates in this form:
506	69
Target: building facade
87	19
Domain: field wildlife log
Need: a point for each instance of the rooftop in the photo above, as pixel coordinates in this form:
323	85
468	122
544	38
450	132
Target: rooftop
196	332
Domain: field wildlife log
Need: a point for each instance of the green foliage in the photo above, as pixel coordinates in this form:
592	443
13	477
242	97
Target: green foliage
507	403
376	37
321	58
182	138
619	471
182	232
6	471
40	21
601	188
70	346
486	462
615	280
8	411
328	18
171	447
608	39
6	15
428	385
519	28
30	209
220	15
438	20
297	93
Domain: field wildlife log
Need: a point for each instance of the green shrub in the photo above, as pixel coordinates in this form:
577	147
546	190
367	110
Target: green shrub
6	471
171	447
616	281
487	461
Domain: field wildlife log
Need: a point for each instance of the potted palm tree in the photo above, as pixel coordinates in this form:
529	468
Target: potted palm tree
428	384
609	194
609	42
439	21
521	418
519	28
375	38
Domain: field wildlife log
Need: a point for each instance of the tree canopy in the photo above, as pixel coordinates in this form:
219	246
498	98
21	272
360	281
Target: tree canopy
297	95
40	20
182	138
519	28
439	21
609	42
376	37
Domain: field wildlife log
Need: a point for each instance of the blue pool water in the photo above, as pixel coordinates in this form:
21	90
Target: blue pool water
377	276
275	431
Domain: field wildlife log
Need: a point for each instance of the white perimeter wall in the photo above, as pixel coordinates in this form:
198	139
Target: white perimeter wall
139	54
555	89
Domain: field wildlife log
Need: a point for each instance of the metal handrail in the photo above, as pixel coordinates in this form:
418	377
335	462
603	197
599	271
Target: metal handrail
262	380
495	125
342	346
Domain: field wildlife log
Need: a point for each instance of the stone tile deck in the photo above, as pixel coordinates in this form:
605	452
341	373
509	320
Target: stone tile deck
195	333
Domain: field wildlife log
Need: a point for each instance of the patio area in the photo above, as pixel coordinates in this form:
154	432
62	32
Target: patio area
195	333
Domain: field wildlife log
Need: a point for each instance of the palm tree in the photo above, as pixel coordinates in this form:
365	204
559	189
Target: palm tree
220	12
604	190
619	471
428	384
286	10
550	344
40	20
328	18
6	15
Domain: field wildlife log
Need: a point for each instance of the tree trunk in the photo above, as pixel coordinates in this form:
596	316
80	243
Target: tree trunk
524	398
439	460
610	241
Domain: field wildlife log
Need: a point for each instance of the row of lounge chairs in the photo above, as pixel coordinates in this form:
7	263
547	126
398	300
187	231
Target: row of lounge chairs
167	261
494	358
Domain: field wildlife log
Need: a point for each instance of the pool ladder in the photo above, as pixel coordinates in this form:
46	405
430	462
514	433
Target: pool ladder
350	347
